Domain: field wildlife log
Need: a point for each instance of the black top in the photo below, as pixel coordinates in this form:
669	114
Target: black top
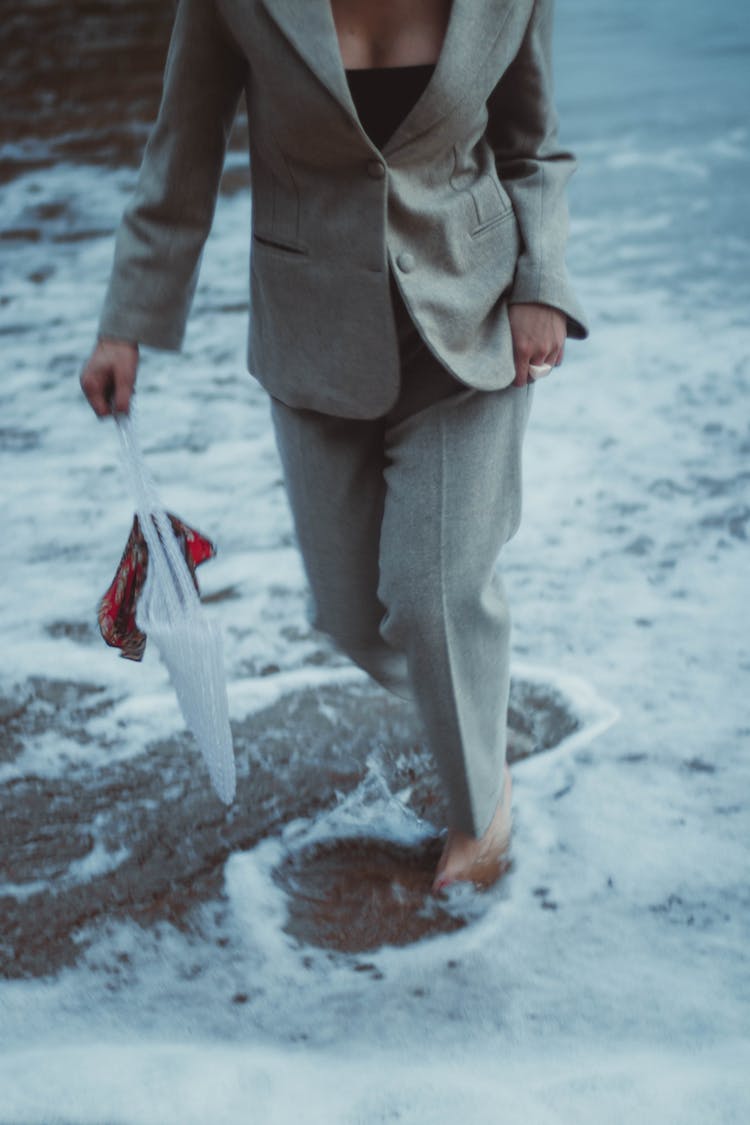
384	95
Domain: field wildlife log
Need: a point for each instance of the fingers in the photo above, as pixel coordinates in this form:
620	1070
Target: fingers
95	384
532	364
124	379
538	333
108	379
551	361
523	349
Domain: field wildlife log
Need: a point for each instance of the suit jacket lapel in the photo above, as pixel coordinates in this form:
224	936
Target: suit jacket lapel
309	27
473	30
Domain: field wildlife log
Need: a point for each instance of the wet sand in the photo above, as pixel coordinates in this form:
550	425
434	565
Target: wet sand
69	72
171	837
81	81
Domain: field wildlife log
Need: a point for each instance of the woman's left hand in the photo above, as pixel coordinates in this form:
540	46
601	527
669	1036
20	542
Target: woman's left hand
538	333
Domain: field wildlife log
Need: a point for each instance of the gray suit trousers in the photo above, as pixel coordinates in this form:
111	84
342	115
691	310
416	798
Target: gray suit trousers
400	521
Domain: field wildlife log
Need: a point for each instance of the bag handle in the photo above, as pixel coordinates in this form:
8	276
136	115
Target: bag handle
170	590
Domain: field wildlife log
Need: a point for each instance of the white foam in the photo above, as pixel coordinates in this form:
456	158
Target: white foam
191	1083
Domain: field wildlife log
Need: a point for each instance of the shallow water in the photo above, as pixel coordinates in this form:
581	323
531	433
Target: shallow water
105	836
199	962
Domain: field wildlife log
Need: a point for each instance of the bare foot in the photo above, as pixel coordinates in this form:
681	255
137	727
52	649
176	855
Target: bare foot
482	861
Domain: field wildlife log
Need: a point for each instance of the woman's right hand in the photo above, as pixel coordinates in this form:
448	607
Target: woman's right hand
108	379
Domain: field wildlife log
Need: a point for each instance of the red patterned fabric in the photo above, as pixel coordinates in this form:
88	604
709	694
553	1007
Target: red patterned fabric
117	608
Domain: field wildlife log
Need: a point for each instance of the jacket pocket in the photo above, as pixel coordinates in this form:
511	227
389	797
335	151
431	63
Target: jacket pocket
275	201
495	221
280	246
491	204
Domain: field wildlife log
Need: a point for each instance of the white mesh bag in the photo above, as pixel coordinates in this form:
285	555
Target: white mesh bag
170	613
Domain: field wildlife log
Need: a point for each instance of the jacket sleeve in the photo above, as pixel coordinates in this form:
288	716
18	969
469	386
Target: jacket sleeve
522	130
161	236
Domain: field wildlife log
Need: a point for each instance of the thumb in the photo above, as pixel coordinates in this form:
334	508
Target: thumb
123	392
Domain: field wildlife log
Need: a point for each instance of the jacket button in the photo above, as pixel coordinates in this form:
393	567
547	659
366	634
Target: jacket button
406	262
375	170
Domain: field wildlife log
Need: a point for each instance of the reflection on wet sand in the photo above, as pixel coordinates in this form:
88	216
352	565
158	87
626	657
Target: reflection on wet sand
356	894
144	838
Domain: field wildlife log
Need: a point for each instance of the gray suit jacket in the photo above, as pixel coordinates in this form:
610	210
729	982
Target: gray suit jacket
465	204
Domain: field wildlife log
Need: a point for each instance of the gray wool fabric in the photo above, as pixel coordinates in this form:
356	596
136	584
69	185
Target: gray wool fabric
400	521
465	204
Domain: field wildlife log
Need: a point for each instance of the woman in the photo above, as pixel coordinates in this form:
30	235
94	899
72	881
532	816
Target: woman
407	281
